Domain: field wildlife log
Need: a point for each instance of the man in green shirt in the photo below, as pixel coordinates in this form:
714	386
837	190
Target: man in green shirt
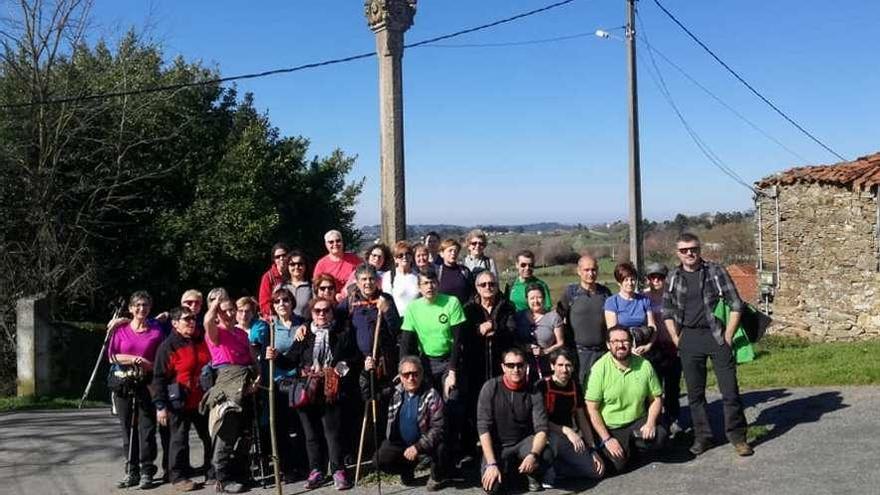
525	269
431	328
624	399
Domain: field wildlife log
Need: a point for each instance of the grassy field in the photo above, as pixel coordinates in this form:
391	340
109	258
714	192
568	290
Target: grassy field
25	403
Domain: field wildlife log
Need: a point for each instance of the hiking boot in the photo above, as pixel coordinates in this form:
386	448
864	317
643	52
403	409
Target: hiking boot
184	485
407	478
146	482
130	479
743	449
228	487
340	480
315	479
700	446
434	484
534	484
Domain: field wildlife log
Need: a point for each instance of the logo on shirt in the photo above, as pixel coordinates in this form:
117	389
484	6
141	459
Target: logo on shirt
444	318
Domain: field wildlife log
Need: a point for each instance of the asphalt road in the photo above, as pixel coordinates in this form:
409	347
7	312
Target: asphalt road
816	441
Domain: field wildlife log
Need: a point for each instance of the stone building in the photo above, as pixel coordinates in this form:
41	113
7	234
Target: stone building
818	235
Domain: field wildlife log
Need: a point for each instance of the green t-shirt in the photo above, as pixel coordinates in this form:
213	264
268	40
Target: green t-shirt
622	394
518	293
432	322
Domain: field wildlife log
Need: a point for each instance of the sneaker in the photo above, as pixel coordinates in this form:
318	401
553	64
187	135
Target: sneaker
743	449
315	479
228	487
146	482
434	484
534	484
184	485
340	480
130	479
700	446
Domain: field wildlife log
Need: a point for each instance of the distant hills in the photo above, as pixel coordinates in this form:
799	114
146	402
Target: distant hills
419	230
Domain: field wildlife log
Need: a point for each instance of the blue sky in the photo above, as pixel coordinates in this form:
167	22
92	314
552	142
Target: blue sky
531	133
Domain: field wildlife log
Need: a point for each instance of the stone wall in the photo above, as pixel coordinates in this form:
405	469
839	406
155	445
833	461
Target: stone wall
829	286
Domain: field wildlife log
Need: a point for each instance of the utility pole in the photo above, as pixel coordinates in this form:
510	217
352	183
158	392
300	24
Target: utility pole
389	19
635	180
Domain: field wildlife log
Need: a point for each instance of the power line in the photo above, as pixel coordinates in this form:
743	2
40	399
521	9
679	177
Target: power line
514	43
746	84
701	145
219	80
721	101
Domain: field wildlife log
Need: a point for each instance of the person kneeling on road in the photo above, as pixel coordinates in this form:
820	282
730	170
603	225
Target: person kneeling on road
415	426
513	426
620	386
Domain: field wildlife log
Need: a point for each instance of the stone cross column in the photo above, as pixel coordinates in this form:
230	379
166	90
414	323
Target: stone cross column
389	19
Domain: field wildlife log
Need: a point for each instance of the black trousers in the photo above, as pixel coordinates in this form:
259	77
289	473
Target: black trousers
143	455
323	423
630	439
509	459
667	364
453	411
290	448
390	459
695	347
232	446
179	423
587	357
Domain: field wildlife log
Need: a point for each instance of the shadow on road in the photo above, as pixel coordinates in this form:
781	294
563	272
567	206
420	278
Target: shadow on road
781	418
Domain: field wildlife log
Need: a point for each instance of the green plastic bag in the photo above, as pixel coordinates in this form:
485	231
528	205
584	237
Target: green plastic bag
743	350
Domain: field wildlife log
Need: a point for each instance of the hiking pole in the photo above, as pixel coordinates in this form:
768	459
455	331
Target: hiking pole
258	442
119	304
368	409
272	437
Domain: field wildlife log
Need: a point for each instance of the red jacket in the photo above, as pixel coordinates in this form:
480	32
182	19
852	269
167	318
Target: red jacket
271	279
180	359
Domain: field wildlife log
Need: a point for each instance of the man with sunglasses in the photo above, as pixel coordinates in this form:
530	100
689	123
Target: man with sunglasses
513	427
179	362
693	289
337	263
624	401
414	428
525	269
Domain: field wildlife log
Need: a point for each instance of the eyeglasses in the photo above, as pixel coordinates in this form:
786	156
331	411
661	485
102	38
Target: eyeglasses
409	375
282	300
526	265
478	243
428	282
280	256
326	287
321	311
334	241
620	342
691	249
515	366
299	264
486	285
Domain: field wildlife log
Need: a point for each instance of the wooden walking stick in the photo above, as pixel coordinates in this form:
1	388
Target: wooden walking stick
367	407
275	464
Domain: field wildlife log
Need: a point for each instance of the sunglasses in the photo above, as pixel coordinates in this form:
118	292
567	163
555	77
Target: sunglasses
297	263
326	287
321	311
686	250
515	366
486	285
526	265
190	302
478	243
656	277
401	256
334	241
188	319
409	374
280	256
281	300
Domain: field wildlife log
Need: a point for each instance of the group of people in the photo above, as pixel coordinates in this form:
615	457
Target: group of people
458	368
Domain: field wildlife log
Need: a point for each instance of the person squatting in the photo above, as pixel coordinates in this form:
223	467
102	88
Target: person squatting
462	373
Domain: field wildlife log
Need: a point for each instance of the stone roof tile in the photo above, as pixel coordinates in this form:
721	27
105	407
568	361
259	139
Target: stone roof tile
861	174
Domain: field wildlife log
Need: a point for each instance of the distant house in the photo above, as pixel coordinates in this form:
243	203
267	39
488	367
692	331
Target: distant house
818	233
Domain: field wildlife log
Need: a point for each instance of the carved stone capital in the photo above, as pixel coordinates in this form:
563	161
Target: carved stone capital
393	15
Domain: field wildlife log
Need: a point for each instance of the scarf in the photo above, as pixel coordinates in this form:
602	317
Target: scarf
321	353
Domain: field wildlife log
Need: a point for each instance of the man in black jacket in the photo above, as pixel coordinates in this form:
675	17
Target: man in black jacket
513	427
179	362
